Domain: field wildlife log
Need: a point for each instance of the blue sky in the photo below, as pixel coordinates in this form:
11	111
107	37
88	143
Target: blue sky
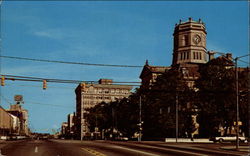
106	32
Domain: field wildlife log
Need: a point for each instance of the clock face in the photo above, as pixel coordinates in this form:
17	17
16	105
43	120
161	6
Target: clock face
196	39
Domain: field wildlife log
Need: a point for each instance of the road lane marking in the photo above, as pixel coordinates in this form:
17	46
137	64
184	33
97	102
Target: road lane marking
1	153
93	152
36	149
137	151
151	154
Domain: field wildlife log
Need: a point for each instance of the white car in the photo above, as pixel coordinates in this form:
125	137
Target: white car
228	139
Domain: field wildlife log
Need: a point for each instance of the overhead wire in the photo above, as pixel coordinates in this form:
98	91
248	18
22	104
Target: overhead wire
56	87
6	100
38	79
38	103
67	62
243	61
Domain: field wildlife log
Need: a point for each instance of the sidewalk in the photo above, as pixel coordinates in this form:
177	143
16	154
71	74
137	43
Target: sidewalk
188	140
241	148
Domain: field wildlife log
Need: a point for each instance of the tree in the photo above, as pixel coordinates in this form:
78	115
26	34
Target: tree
244	79
216	97
120	115
160	106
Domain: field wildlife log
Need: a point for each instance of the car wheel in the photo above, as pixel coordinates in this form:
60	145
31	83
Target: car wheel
221	140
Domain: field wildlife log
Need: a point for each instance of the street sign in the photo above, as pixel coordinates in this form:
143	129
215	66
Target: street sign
18	98
239	123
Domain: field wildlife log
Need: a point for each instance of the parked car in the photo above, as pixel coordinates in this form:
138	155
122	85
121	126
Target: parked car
228	139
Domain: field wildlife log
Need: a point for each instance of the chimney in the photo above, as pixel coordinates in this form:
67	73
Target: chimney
229	56
105	81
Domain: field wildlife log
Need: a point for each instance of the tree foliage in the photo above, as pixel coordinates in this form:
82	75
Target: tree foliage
214	101
217	97
160	106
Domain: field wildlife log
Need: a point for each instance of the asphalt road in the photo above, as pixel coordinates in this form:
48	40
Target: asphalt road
108	148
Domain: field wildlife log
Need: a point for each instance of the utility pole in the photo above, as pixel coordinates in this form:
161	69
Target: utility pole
237	103
140	122
237	99
176	116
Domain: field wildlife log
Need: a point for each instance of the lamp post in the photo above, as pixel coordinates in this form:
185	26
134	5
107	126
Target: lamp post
140	122
237	99
237	95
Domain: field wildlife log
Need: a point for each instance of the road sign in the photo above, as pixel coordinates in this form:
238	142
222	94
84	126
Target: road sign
18	98
239	123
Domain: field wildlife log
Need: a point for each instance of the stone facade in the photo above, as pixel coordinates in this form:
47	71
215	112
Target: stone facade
189	52
22	114
150	73
89	95
189	42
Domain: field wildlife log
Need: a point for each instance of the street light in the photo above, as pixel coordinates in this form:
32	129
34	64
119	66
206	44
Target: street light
237	99
237	94
140	124
237	103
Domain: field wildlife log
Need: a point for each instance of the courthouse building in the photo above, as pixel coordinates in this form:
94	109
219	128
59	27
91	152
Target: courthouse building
89	95
189	52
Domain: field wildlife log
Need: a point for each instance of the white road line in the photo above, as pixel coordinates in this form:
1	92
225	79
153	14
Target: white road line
36	149
151	154
133	150
1	153
207	150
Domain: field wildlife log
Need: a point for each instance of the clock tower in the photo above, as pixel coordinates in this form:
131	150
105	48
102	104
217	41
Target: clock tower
189	43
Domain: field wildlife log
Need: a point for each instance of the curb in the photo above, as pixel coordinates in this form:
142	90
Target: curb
241	149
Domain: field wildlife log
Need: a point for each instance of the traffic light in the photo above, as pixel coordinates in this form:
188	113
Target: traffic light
2	81
44	84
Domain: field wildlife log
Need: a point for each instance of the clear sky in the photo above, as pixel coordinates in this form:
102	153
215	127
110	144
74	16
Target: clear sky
107	32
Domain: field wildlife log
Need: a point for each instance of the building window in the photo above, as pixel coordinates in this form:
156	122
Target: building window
184	40
187	55
106	91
